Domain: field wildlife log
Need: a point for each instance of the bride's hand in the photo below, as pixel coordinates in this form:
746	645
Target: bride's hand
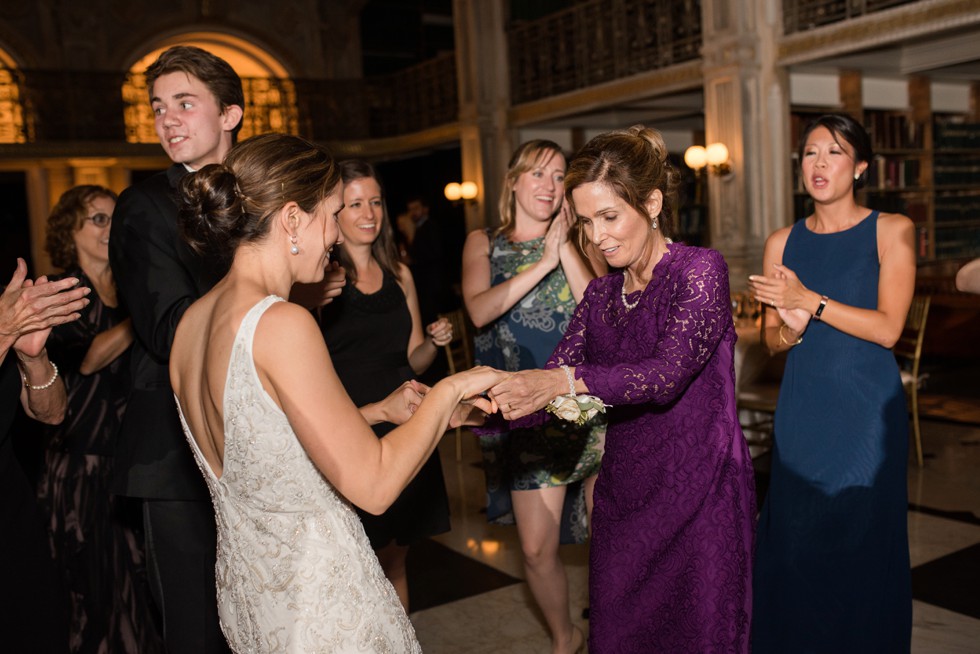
399	406
472	413
473	383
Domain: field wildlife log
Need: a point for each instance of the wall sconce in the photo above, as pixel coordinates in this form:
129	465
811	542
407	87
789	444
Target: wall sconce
466	191
715	157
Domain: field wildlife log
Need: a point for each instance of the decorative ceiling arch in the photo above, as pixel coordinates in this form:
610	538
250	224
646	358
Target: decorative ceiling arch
248	59
270	96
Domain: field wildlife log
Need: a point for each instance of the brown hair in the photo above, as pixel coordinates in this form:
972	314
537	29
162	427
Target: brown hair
526	157
216	74
384	250
223	206
633	163
66	219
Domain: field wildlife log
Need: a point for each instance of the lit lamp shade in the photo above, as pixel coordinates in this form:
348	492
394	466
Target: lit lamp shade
717	154
468	190
453	191
696	157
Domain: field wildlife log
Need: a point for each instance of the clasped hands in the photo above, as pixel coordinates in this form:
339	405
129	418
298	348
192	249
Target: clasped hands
484	391
783	291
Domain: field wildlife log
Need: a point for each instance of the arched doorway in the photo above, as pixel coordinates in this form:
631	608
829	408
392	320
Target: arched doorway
270	96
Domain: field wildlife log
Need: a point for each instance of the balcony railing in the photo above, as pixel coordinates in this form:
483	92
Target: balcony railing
803	15
56	107
414	98
600	40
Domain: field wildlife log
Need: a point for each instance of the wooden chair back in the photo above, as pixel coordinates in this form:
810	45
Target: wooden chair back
908	352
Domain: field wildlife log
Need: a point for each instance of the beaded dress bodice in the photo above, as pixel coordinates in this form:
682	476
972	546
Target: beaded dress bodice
295	572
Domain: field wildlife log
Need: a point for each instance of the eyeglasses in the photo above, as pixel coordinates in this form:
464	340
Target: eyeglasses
100	219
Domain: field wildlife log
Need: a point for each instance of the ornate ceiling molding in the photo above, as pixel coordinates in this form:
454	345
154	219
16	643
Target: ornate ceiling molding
884	28
664	81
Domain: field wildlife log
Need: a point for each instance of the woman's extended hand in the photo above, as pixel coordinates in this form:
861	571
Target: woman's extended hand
527	391
402	402
472	412
441	332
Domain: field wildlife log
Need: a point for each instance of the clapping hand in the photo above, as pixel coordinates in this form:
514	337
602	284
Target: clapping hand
29	309
784	292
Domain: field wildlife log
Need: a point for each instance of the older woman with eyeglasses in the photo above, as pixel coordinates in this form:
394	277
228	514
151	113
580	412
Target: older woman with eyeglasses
92	542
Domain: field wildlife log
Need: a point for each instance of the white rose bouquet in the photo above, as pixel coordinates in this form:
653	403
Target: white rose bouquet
576	408
573	407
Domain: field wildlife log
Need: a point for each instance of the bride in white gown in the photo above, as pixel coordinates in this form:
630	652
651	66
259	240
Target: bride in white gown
282	447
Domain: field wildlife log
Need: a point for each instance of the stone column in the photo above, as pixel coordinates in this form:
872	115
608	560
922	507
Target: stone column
746	98
484	98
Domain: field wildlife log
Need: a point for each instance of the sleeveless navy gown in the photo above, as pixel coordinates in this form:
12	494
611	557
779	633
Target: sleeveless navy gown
832	561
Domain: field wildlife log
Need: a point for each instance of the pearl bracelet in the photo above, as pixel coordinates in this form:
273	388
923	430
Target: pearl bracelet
571	380
43	386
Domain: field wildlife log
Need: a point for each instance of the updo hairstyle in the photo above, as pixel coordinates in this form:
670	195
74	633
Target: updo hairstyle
223	206
526	157
843	127
633	163
66	218
384	250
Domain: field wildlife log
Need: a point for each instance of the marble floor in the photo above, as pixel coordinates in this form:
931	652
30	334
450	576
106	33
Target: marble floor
484	607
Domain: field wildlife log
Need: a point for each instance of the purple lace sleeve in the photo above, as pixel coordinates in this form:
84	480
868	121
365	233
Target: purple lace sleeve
699	313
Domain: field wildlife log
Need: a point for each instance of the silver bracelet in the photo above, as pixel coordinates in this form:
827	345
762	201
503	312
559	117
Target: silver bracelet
571	380
43	386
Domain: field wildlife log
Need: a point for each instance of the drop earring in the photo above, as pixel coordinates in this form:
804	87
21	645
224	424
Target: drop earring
857	176
654	224
295	248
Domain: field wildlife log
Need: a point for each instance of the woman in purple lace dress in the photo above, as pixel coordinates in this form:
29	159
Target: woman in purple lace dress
672	530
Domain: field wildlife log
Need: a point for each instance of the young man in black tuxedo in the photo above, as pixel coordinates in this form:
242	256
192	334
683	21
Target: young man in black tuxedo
197	102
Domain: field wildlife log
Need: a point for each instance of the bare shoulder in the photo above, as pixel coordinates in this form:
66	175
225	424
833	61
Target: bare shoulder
776	244
405	274
477	241
194	321
779	237
894	228
282	318
894	223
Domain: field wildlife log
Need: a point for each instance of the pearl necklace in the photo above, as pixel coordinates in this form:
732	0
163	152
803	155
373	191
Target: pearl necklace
622	294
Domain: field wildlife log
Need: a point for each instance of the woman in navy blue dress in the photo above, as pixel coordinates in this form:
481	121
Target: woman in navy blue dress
832	560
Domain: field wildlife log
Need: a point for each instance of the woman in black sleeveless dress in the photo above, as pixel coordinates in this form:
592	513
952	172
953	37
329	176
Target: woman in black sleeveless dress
376	341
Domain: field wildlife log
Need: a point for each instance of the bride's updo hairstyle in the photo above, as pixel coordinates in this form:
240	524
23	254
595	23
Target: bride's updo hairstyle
633	163
223	206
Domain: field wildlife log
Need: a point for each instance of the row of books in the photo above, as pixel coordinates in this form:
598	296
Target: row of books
949	209
959	243
894	172
956	135
956	171
893	131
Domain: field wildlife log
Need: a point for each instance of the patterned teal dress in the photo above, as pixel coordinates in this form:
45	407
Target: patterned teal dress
557	453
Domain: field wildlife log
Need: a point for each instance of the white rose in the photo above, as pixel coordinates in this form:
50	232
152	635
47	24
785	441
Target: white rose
566	408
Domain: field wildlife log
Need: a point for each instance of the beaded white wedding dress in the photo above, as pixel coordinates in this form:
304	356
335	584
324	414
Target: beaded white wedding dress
295	571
